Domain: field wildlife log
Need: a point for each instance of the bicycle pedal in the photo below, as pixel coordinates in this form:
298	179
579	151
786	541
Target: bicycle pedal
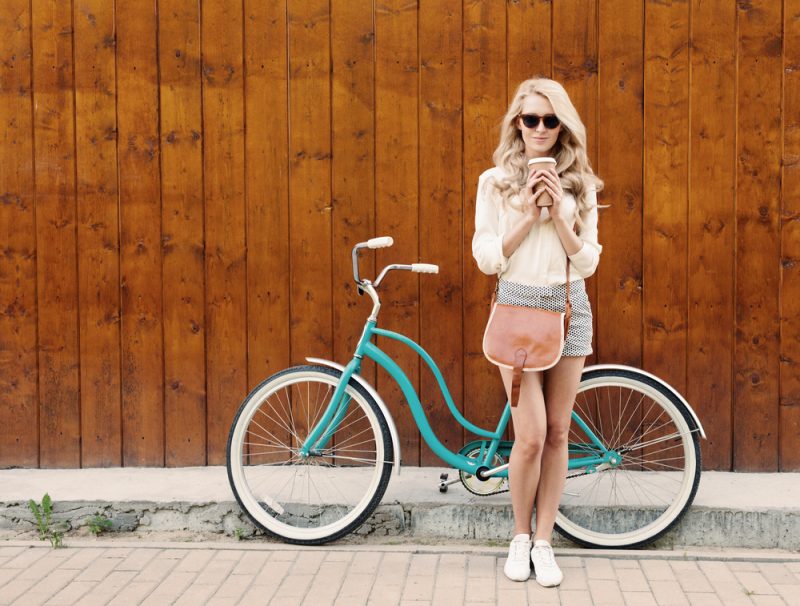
443	476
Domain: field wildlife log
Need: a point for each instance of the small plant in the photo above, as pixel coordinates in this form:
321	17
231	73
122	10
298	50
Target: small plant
43	514
239	534
98	524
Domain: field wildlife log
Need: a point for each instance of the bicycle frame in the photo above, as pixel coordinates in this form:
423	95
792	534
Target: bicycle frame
597	454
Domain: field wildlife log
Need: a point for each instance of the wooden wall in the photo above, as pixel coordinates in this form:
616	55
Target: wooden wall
181	183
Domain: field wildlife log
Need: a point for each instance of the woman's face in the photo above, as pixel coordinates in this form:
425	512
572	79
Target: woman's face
540	139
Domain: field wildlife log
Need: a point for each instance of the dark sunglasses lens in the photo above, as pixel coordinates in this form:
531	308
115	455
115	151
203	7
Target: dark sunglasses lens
550	121
531	121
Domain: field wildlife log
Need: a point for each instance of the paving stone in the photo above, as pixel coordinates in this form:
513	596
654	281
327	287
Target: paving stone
632	580
605	592
72	593
755	582
511	597
777	574
423	564
418	587
599	568
638	598
575	598
170	589
790	593
704	599
657	570
668	593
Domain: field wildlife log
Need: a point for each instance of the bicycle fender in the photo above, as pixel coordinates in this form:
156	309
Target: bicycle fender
381	404
657	380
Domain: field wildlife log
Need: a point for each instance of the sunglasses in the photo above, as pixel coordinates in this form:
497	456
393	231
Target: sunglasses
532	121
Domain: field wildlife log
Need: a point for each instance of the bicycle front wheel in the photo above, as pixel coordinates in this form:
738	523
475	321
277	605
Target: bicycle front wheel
323	496
642	493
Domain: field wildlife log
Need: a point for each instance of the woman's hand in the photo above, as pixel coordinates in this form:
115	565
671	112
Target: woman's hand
552	185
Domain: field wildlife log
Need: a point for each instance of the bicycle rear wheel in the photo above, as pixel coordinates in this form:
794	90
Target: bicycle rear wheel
638	498
311	499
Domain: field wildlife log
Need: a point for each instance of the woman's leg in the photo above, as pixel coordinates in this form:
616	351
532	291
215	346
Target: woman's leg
530	425
560	385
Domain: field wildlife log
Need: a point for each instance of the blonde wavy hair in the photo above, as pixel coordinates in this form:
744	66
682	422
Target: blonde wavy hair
572	161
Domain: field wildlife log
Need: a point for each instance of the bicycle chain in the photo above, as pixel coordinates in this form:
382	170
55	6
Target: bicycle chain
490	494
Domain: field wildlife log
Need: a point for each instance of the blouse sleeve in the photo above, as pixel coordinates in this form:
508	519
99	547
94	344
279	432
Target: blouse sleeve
487	243
586	259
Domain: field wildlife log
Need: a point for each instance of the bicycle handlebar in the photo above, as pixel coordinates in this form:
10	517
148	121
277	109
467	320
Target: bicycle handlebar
385	242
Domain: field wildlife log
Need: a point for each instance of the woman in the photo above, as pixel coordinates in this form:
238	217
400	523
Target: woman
527	247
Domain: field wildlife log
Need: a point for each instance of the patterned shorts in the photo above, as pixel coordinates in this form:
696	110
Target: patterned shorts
553	298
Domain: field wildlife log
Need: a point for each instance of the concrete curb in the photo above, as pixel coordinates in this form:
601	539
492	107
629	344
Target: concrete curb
701	527
678	553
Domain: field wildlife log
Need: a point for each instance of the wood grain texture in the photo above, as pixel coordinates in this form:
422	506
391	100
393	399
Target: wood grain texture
56	254
267	188
224	185
353	168
140	234
183	289
758	174
712	224
98	233
666	157
440	214
620	140
530	41
396	193
575	56
178	207
755	434
790	245
19	427
485	103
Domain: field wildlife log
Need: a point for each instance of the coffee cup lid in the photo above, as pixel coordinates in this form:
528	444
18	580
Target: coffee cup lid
537	160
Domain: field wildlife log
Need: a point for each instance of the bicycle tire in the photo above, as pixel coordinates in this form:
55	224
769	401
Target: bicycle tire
262	462
660	449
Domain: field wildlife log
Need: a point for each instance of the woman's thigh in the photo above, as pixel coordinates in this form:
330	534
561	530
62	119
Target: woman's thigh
529	416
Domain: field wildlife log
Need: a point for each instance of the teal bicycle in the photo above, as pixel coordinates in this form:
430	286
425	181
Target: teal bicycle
313	447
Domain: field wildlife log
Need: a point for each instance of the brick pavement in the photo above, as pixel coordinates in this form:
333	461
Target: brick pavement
125	573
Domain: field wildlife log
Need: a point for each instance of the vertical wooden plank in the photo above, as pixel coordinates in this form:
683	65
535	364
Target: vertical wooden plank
19	431
711	224
267	186
485	102
309	179
440	213
758	154
619	139
183	287
353	176
666	116
98	235
57	281
790	245
223	169
140	234
529	42
575	55
397	206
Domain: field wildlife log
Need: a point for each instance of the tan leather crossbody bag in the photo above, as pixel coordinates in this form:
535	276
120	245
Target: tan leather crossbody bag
525	339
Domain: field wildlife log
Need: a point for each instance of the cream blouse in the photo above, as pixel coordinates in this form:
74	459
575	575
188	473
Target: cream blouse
540	258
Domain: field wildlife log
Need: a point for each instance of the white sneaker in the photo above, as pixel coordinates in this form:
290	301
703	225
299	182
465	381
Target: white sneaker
518	564
548	574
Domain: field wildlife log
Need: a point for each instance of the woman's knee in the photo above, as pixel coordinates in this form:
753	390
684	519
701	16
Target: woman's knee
530	446
557	434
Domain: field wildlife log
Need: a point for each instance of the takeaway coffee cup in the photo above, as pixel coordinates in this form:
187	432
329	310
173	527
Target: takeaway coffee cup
544	198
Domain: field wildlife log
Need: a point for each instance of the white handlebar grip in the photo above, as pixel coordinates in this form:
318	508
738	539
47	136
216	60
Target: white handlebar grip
383	242
424	268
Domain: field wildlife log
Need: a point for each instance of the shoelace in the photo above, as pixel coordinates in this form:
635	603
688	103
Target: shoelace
520	550
546	554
